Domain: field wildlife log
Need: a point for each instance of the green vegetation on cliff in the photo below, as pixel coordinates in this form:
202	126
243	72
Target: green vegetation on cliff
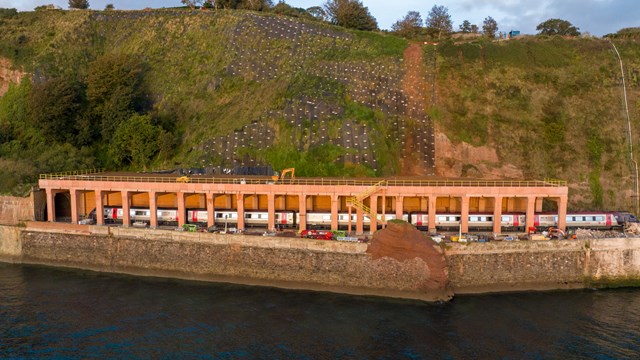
230	88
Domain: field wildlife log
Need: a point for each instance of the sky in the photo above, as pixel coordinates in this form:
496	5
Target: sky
597	17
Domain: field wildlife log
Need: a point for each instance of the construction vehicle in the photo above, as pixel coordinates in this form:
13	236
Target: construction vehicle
283	174
183	179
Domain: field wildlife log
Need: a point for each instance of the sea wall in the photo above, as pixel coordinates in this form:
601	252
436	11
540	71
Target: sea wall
543	265
14	209
283	262
326	265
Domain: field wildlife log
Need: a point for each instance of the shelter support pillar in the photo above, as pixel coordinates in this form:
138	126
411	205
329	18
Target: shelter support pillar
384	207
497	215
211	209
99	208
334	211
51	205
126	213
373	220
153	209
271	211
359	222
74	205
562	213
240	211
302	211
399	207
531	209
182	212
464	214
432	213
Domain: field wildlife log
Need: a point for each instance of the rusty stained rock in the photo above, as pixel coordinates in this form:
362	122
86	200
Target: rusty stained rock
404	243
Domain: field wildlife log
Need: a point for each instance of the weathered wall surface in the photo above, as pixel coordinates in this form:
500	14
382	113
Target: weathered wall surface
15	209
10	244
513	266
614	262
325	265
284	262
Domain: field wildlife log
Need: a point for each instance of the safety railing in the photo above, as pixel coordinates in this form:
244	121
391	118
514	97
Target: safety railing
354	202
95	175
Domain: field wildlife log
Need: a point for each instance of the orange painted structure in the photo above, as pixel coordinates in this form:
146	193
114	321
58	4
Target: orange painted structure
93	190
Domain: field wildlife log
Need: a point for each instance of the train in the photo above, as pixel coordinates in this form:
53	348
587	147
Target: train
288	219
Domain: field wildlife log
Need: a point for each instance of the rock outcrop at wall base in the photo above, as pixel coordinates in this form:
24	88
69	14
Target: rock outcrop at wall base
404	243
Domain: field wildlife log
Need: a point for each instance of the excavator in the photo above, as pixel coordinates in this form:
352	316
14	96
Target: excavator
283	174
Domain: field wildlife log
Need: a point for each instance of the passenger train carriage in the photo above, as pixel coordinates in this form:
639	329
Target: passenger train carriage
322	220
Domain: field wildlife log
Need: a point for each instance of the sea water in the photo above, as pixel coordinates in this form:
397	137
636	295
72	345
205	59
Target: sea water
53	313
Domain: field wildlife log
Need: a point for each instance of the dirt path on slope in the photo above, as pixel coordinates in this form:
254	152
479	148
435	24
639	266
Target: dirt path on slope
418	151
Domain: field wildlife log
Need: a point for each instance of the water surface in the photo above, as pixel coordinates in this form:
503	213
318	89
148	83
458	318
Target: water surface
53	313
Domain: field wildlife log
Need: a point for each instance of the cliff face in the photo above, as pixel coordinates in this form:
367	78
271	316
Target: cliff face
242	88
8	75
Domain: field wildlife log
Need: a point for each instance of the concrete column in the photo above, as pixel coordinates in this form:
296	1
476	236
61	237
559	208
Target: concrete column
153	210
562	213
359	222
539	205
240	211
126	215
349	220
531	207
74	206
334	212
497	215
51	205
182	211
99	208
399	207
302	211
432	213
384	207
464	214
271	211
211	209
373	221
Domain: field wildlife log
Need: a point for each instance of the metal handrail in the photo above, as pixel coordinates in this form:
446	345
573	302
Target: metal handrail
93	175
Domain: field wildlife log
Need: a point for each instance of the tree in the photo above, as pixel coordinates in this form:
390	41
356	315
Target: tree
109	7
489	27
192	3
318	13
115	90
465	27
350	14
255	5
438	21
78	4
135	141
53	108
409	26
557	27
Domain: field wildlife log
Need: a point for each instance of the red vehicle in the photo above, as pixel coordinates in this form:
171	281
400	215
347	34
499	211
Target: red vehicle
316	234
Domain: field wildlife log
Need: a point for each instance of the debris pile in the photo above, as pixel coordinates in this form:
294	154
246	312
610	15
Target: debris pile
632	228
598	234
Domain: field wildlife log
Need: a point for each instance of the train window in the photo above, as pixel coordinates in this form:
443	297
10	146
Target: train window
219	215
442	218
599	218
326	217
473	218
140	212
341	217
455	218
506	218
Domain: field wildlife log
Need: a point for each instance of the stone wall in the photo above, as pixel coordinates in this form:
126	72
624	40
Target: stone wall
15	209
284	262
324	265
